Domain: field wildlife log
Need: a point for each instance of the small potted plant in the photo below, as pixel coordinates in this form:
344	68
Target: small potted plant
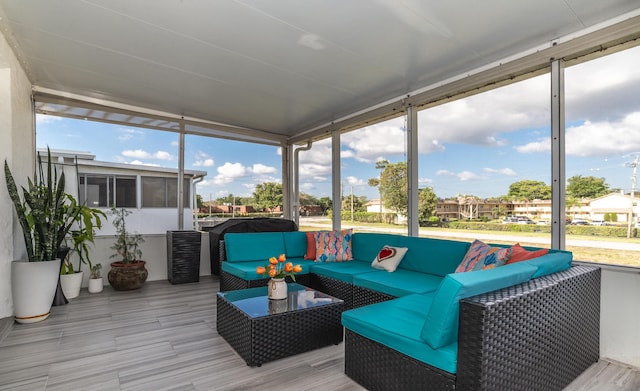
95	279
87	219
128	272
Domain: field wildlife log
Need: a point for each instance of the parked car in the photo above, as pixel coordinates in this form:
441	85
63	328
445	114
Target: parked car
579	222
599	222
525	221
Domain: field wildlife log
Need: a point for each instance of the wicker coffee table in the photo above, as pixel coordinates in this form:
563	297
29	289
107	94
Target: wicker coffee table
263	330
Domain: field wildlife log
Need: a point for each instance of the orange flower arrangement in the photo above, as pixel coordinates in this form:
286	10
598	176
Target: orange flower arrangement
277	268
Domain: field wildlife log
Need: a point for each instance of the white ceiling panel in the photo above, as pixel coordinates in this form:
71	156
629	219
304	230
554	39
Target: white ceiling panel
282	67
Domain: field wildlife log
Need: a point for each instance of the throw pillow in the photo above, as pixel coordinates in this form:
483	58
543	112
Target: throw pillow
389	258
518	253
333	246
311	246
481	256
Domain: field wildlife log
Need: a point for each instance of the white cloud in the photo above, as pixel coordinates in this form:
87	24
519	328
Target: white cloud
445	172
42	119
371	143
425	180
503	171
353	181
126	134
261	169
204	163
142	154
467	176
232	170
141	163
543	145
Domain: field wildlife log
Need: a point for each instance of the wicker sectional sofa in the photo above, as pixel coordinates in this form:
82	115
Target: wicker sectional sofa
532	325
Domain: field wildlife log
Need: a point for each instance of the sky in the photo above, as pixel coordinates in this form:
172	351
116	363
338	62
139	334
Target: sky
478	145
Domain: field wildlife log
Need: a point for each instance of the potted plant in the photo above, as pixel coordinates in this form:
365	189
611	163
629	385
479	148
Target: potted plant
129	271
45	216
95	279
87	219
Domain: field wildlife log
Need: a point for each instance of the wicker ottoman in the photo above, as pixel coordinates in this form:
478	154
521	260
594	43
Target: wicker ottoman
262	330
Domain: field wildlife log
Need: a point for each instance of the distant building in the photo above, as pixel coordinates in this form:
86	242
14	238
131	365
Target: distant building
150	192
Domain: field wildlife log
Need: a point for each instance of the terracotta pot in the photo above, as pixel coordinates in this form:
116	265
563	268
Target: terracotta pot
127	276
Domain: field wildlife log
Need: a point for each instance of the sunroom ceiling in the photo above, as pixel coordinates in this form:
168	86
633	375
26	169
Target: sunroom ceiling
271	70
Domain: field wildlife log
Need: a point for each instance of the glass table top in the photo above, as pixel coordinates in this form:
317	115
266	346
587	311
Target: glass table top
255	303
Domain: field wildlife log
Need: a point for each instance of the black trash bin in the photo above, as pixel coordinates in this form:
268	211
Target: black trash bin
183	256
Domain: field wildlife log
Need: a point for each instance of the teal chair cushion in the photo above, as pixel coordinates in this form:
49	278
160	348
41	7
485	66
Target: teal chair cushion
295	244
432	256
247	270
555	261
397	324
399	283
367	245
253	246
343	271
441	325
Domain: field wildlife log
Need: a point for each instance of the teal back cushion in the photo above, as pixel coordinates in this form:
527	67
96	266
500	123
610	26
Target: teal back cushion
365	246
441	327
295	244
555	261
432	256
253	246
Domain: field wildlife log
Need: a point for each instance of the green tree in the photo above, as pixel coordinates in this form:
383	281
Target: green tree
325	203
268	195
527	190
427	203
199	201
586	187
393	187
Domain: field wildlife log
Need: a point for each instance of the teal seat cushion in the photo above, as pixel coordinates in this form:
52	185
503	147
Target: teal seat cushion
295	244
397	324
399	283
343	271
441	325
432	256
253	246
553	262
247	270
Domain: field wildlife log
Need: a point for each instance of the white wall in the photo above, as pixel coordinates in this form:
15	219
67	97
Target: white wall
620	316
17	146
154	252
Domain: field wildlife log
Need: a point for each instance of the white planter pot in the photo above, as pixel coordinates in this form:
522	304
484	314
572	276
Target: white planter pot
70	284
33	285
95	285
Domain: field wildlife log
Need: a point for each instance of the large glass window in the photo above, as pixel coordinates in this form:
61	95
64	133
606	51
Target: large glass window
107	190
487	159
602	153
163	192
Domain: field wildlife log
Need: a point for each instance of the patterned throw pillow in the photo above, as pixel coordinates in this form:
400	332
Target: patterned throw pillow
333	246
518	253
389	258
481	256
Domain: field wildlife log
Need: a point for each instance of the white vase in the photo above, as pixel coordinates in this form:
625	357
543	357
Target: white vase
71	283
33	286
277	289
95	285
